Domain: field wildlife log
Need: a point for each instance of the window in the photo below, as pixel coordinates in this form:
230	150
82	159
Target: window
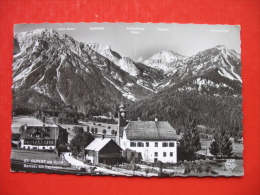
147	144
171	144
140	144
156	144
164	154
132	154
156	154
171	153
132	144
164	144
139	155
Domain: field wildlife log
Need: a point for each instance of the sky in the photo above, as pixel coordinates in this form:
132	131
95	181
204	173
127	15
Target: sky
140	41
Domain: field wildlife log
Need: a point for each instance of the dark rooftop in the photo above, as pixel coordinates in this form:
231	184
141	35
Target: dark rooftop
48	132
150	130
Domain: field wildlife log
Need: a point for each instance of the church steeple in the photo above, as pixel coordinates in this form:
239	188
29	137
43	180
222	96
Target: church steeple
121	122
122	116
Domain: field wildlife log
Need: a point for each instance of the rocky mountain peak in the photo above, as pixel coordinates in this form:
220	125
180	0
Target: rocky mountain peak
65	70
164	60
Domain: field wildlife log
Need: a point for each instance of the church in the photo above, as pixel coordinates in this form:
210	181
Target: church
149	141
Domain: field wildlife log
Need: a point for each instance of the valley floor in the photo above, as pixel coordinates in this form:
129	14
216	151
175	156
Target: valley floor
19	156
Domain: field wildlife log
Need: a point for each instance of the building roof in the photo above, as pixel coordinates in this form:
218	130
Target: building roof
98	144
48	132
150	130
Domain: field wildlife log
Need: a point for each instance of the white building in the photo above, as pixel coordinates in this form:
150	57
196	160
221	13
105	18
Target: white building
151	141
41	137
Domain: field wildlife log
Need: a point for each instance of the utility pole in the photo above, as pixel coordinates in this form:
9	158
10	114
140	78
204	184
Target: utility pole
55	136
134	164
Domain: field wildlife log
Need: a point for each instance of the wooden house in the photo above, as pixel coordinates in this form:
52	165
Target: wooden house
103	150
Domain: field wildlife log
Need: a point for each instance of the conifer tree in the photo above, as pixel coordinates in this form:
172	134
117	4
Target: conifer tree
80	142
190	141
223	144
213	148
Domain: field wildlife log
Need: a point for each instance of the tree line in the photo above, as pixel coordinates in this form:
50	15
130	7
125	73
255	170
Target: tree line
214	112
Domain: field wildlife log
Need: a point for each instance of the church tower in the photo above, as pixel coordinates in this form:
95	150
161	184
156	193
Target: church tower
121	123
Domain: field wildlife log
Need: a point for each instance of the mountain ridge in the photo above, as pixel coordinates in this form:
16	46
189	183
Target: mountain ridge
92	76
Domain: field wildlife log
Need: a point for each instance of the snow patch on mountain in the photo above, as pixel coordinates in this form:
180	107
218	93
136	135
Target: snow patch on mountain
165	84
129	84
124	92
61	96
224	73
141	83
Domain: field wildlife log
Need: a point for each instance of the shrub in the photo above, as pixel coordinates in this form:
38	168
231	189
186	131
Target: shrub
112	132
109	127
104	131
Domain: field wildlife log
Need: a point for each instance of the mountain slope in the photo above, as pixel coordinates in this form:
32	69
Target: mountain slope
147	77
70	72
206	87
51	71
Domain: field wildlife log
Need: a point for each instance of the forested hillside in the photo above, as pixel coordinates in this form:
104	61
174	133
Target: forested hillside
217	112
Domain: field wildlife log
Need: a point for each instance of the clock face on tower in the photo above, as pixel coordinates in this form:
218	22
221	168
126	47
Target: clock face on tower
122	121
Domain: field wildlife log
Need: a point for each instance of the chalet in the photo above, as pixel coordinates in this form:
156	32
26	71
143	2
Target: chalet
41	137
103	150
150	141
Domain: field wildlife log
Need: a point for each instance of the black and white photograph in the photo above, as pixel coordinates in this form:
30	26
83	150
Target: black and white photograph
127	99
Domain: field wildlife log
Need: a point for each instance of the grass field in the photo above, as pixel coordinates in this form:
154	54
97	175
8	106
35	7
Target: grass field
98	125
17	154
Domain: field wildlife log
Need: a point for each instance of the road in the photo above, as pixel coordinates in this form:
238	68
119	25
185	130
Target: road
78	163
